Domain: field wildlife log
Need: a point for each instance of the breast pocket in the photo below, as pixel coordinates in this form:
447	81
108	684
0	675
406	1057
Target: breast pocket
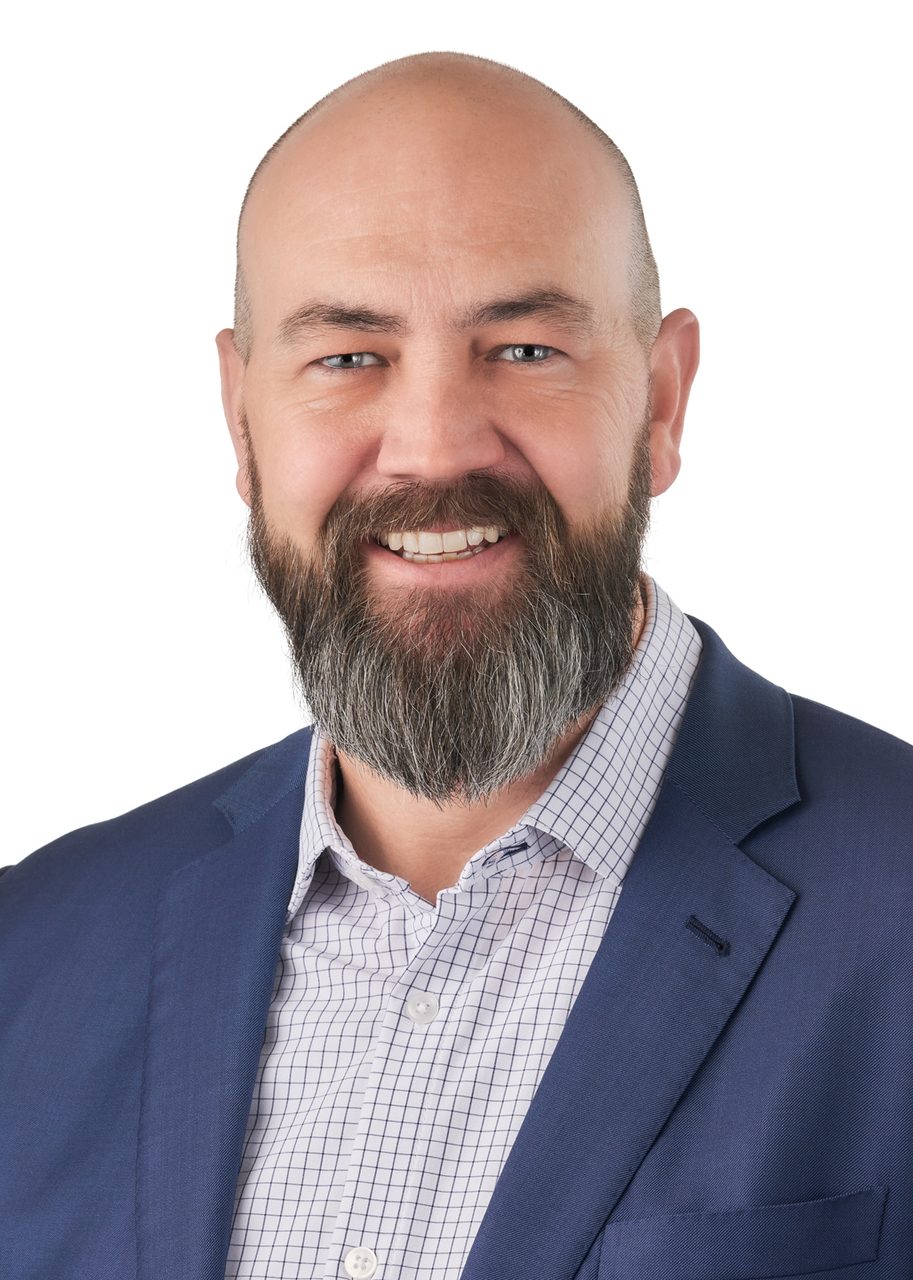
754	1243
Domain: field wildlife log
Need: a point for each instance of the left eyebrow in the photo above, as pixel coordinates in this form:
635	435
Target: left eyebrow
574	315
562	309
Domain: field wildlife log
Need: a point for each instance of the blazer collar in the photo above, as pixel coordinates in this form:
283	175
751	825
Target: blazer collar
217	936
735	754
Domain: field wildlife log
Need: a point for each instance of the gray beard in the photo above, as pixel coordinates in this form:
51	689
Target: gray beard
454	694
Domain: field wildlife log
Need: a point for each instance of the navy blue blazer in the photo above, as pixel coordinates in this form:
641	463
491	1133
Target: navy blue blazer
731	1097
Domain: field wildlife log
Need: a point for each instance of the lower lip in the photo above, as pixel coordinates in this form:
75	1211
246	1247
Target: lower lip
440	573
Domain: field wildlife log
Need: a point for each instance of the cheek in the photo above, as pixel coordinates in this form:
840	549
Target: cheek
581	450
304	468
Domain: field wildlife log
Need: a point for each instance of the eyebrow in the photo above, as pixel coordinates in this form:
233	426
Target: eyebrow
574	315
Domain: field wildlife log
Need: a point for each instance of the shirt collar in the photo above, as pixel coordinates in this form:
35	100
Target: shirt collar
622	757
594	805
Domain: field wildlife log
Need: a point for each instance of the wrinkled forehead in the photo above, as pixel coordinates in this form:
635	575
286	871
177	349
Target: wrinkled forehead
436	195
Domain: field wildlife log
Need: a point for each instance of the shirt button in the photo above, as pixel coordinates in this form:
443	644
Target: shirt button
422	1007
360	1263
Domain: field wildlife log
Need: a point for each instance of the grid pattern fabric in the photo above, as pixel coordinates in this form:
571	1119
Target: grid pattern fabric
405	1039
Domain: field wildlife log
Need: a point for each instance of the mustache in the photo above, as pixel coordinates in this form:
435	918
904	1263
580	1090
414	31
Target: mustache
477	499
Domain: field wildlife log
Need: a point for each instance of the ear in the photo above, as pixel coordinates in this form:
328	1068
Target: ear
673	364
231	371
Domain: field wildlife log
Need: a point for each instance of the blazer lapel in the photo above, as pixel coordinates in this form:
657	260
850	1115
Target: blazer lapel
217	934
694	923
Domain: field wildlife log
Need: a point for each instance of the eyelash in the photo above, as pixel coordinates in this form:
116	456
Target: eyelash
507	347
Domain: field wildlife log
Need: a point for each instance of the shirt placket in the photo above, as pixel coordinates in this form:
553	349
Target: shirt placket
374	1221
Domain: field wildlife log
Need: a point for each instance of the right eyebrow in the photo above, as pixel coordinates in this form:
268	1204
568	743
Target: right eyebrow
328	315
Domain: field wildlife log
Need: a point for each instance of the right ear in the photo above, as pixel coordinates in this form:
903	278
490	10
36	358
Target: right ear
231	372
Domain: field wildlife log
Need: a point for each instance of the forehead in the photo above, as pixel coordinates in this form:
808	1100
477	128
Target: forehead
430	198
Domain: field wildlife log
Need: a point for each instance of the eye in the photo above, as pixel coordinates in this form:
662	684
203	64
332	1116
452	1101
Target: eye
349	360
525	353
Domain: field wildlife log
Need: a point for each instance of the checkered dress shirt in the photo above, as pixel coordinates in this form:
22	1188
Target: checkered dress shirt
406	1039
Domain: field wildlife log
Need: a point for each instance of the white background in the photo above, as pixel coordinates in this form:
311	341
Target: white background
771	145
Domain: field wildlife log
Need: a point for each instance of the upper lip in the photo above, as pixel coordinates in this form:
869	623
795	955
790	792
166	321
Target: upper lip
443	528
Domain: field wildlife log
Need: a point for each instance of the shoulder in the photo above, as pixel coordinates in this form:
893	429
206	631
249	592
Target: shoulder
851	750
163	830
856	781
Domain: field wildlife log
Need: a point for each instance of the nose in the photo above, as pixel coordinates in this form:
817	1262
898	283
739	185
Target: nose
437	425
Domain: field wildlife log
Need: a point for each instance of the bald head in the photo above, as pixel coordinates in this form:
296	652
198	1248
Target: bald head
485	91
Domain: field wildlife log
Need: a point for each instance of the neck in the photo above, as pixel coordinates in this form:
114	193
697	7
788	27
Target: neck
429	845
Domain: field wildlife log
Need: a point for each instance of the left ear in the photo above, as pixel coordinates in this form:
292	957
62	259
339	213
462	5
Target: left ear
673	364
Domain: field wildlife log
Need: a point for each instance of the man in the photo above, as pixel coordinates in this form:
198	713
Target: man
561	944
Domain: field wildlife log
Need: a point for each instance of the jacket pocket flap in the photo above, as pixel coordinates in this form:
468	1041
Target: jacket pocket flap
746	1244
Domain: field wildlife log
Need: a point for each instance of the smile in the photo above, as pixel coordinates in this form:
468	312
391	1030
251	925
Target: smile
453	566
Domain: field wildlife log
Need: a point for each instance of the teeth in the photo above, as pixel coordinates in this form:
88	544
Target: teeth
430	544
438	560
454	540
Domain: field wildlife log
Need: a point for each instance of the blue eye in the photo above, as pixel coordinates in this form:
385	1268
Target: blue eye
525	353
351	360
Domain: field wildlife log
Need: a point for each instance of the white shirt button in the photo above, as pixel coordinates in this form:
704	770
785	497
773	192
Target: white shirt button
422	1007
360	1263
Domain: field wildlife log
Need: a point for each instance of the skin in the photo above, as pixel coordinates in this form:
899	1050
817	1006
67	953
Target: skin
487	189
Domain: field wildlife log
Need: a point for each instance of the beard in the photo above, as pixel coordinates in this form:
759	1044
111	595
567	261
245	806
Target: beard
455	693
